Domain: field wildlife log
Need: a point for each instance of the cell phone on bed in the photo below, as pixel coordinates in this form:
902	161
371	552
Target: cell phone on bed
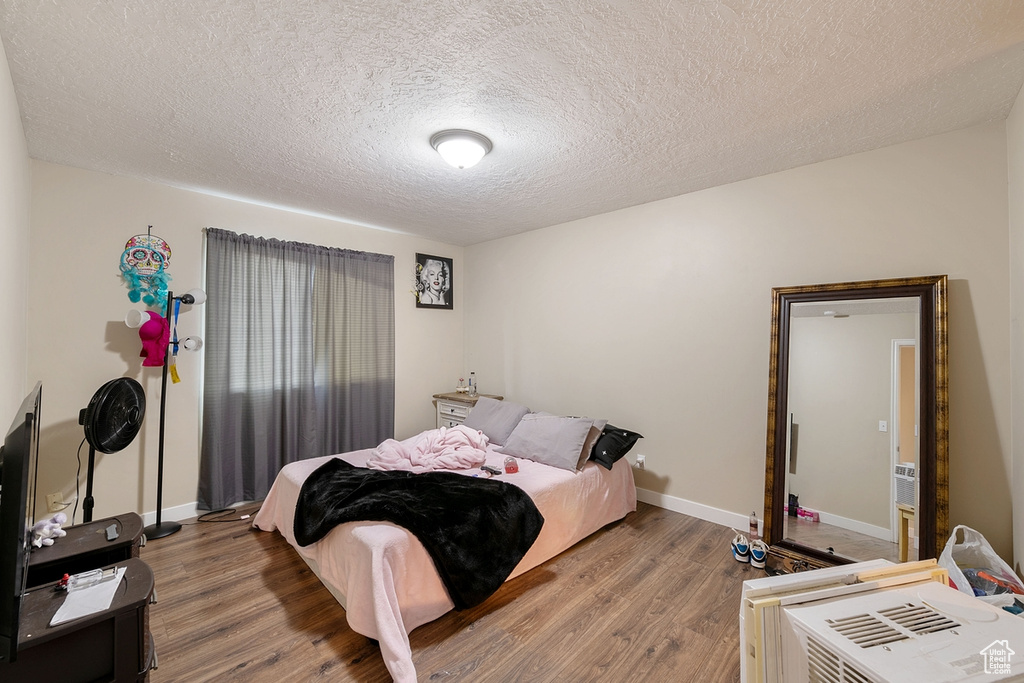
489	469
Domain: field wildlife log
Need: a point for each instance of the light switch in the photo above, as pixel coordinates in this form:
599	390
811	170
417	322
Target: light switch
883	426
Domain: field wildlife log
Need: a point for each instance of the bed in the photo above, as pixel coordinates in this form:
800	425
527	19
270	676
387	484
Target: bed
384	577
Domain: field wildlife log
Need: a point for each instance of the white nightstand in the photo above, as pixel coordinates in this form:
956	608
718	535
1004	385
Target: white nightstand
454	406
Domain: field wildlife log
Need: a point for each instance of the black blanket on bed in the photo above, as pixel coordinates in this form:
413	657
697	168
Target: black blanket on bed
475	529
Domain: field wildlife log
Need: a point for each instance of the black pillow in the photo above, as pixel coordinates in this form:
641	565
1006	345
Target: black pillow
612	445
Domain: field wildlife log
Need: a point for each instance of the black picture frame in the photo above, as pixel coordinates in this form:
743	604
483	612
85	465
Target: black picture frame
434	282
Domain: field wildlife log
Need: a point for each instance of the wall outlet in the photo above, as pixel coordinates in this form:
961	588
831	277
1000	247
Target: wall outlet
641	462
55	502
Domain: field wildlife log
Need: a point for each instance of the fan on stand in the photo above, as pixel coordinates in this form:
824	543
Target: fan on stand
111	420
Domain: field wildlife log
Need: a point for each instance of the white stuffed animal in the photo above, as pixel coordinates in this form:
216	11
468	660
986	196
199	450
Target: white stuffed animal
44	532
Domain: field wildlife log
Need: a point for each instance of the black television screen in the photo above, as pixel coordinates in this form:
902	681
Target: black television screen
18	461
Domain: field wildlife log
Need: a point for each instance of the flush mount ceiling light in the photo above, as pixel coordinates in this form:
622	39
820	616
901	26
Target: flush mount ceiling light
460	148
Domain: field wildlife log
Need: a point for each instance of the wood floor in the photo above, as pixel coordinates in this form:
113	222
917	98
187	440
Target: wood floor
845	542
654	597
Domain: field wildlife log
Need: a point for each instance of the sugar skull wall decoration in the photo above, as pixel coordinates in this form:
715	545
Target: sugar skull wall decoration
144	268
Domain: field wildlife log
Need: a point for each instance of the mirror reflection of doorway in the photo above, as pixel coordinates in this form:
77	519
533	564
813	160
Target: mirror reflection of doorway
905	447
907	401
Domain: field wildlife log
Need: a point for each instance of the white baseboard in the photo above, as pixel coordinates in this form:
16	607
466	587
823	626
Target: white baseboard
181	512
175	514
742	522
708	513
725	518
686	507
854	525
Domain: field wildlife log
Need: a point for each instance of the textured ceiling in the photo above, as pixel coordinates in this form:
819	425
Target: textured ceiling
328	107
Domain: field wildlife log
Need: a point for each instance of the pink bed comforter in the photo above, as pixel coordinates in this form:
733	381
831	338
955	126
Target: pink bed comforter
383	576
445	448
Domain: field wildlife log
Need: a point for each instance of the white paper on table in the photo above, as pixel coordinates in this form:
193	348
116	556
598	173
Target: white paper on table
89	600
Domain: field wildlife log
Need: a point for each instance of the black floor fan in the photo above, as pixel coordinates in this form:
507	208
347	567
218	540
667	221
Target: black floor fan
111	420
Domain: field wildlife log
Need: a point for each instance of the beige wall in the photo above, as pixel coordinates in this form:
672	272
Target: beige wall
1015	149
14	235
657	317
77	302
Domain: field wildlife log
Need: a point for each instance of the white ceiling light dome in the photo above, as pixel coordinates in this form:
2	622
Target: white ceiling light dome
460	148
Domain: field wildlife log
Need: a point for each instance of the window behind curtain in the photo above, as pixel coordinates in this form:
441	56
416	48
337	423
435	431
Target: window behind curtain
300	359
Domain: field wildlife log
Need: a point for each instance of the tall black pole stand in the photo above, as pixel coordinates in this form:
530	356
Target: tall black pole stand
89	502
161	529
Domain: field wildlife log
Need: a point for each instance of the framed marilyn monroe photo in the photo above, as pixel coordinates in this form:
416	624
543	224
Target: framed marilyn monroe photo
433	281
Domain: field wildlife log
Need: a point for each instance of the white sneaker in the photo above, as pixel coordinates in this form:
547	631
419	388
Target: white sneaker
741	548
758	554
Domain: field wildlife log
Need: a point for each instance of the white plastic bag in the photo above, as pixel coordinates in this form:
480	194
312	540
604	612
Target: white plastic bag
974	554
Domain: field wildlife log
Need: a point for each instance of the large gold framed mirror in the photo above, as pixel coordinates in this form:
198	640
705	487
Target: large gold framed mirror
858	430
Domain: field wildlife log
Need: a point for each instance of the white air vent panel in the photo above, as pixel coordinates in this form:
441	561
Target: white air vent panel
918	618
899	634
867	630
824	666
905	476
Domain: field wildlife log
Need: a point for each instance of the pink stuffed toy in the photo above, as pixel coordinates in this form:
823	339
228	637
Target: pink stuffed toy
155	334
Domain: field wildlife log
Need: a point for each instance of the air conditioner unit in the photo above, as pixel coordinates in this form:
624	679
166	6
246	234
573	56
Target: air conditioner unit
905	476
872	623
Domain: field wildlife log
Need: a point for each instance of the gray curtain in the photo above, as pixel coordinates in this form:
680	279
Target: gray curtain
300	359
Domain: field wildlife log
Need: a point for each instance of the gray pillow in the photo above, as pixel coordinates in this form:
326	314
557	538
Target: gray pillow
549	439
495	418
